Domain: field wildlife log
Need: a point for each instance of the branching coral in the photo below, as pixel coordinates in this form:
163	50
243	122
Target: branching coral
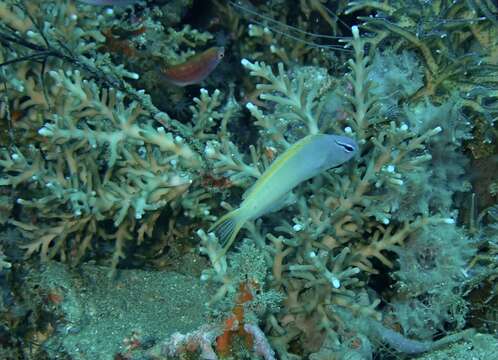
93	158
457	41
347	222
130	167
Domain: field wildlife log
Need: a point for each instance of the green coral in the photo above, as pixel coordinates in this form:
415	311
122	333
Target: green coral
93	158
90	157
347	224
395	78
429	281
131	166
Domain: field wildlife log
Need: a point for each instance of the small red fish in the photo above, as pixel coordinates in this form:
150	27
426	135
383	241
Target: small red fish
195	69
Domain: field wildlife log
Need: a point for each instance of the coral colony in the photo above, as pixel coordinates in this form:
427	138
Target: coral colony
329	164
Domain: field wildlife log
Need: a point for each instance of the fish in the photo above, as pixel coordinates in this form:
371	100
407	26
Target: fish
110	2
195	69
303	160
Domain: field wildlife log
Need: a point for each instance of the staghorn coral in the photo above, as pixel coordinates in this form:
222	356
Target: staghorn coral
457	42
347	223
92	158
93	188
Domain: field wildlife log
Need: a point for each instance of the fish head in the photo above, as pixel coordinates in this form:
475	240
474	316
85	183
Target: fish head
220	52
339	150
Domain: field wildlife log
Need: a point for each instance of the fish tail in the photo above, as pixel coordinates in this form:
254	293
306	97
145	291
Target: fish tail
227	228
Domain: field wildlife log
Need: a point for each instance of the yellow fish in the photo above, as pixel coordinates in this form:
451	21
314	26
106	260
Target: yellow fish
303	160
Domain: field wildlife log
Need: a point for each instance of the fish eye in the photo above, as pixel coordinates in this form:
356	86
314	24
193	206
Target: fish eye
221	52
346	147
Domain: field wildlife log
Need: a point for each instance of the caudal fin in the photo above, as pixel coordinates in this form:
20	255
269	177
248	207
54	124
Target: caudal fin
227	228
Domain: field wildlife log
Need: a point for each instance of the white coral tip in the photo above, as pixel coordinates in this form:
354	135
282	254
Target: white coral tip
245	62
355	31
45	131
297	227
209	151
250	106
437	130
